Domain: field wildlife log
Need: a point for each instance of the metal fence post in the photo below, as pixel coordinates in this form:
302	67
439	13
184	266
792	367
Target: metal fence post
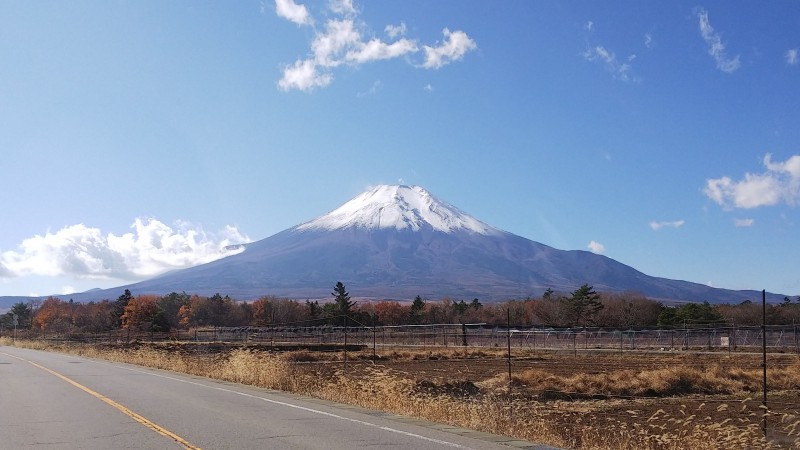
345	348
764	356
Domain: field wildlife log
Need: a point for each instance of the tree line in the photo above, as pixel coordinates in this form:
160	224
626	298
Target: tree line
583	307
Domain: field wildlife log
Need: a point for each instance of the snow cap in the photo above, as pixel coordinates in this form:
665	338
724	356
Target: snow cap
400	207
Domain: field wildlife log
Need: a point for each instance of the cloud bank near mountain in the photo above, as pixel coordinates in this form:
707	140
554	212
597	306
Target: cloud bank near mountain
150	249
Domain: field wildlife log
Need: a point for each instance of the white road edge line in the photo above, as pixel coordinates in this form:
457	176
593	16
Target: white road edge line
303	408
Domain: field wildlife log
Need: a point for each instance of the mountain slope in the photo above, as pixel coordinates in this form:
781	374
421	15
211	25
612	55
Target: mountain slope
400	241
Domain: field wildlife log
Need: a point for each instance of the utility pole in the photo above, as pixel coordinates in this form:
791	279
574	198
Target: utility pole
508	324
508	341
764	357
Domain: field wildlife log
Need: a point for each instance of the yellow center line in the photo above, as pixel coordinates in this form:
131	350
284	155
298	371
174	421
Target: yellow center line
137	417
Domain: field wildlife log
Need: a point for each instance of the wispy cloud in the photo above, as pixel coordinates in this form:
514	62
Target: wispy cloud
596	247
375	50
395	31
716	48
293	12
648	40
666	224
332	45
620	70
428	88
743	223
303	75
376	86
344	7
456	44
792	56
780	183
342	41
150	249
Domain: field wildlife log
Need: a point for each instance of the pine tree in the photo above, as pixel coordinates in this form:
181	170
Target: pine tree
342	301
120	304
416	309
23	312
583	305
313	309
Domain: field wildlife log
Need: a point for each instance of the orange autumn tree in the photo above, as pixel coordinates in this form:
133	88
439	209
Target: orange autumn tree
392	313
140	313
53	315
195	312
262	312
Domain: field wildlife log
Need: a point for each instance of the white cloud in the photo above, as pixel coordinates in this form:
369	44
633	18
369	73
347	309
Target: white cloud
648	40
342	7
151	249
395	31
716	48
779	184
376	86
596	247
5	272
589	26
304	76
673	224
66	290
329	47
343	43
620	70
428	88
744	223
375	50
291	11
792	56
456	44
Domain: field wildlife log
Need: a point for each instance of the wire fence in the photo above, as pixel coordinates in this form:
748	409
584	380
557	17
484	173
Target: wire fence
779	338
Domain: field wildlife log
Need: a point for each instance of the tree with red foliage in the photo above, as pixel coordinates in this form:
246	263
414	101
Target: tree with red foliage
392	313
53	315
140	313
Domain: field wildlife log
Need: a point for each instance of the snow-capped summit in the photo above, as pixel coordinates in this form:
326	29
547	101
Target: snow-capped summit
399	207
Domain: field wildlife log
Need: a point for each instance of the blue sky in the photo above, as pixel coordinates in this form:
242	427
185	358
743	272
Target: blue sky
142	136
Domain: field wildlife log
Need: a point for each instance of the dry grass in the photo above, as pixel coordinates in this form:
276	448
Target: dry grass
563	421
666	382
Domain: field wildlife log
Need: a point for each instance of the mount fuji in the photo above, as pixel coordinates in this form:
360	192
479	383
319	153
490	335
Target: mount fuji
396	242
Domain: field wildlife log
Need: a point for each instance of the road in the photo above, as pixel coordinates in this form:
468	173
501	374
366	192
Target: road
56	401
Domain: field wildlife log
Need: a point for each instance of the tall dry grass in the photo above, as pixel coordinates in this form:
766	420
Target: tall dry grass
584	424
668	381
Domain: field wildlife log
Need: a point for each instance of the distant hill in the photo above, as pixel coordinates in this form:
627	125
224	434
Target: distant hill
396	242
7	302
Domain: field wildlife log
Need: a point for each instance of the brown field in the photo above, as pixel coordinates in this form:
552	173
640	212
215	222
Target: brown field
586	400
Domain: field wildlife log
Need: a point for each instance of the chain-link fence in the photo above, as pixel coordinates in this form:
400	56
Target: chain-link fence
779	338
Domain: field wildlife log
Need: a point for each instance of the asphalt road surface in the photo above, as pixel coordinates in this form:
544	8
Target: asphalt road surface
55	401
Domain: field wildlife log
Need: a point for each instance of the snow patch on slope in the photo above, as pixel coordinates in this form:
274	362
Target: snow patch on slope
400	207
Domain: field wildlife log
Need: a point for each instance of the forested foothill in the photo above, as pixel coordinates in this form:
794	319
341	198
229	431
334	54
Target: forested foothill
583	307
